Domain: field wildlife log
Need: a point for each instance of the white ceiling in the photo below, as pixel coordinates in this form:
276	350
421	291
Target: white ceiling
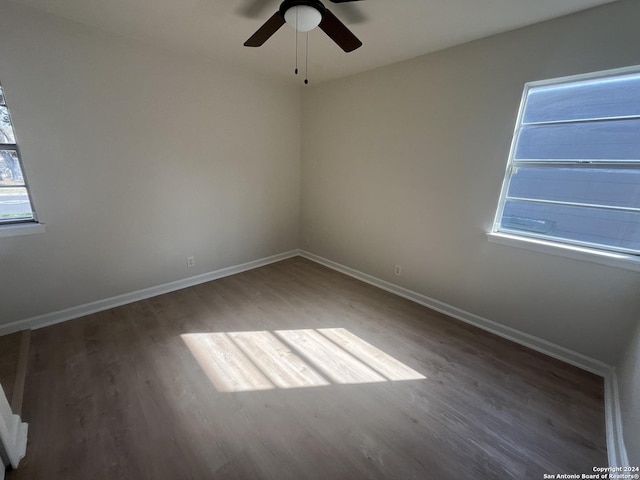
391	30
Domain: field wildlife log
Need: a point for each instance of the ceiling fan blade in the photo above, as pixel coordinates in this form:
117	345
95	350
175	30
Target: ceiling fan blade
338	32
263	34
350	13
256	8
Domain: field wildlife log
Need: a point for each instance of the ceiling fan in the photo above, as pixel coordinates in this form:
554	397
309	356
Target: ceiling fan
305	15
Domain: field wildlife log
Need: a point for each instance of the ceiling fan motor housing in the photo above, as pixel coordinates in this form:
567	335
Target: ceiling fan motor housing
287	4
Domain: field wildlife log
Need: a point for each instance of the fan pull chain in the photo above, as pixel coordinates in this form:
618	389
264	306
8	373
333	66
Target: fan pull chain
306	63
296	71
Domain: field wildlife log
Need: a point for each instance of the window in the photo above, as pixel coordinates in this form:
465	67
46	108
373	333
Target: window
15	202
573	176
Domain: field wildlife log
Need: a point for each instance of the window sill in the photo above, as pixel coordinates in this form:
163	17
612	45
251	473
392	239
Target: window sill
17	229
612	259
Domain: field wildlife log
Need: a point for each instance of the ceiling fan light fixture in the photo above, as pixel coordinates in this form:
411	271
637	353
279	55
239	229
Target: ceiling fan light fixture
303	18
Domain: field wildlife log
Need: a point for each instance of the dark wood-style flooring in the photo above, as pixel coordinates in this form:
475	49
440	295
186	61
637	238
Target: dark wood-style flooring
119	395
9	355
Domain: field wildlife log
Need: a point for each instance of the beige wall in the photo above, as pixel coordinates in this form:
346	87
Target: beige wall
137	159
629	389
403	165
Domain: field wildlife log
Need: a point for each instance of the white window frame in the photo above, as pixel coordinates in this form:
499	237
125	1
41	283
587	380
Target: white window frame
540	243
19	227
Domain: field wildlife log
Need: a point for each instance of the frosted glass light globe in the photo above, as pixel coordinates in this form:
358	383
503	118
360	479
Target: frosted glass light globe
308	18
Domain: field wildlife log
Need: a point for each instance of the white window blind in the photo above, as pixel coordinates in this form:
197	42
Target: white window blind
573	175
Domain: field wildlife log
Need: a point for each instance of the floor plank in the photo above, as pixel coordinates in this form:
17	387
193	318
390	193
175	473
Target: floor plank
9	359
119	394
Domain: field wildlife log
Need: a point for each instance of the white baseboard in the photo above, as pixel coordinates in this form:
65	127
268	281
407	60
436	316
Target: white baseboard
13	435
613	420
615	442
535	343
107	303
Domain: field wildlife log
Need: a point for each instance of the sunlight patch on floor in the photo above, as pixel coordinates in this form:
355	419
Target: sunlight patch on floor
384	364
284	359
284	368
225	364
335	363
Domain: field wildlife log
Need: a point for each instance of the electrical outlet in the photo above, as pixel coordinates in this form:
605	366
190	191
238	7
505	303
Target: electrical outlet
191	262
307	243
397	270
